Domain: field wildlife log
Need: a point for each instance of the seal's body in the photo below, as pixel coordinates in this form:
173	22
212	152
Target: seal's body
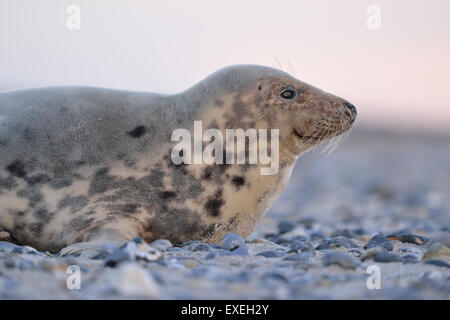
79	164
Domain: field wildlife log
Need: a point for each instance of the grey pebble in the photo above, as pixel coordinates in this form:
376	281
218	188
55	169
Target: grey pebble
410	258
232	241
272	254
438	263
388	245
174	249
370	253
201	247
224	253
108	248
7	246
161	244
339	258
117	257
379	240
335	243
408	238
302	246
241	251
285	226
387	257
412	250
283	241
303	256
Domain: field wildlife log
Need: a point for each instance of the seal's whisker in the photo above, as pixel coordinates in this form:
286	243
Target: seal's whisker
291	69
276	59
338	140
331	145
322	150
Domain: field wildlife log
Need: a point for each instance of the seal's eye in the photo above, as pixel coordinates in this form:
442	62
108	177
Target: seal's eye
287	94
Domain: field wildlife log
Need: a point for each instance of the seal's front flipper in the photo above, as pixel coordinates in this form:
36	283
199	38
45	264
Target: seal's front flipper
5	235
90	249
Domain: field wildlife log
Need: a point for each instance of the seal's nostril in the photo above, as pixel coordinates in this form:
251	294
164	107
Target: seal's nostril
351	107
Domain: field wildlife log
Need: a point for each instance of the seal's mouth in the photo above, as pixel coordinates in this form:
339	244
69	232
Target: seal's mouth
306	138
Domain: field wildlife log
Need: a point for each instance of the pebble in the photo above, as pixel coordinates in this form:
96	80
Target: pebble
125	253
336	243
232	241
241	251
303	256
117	257
174	249
282	241
410	258
108	248
201	247
438	263
149	254
389	246
379	240
224	253
302	246
272	254
437	250
408	238
161	244
284	226
387	257
412	250
370	253
7	246
339	258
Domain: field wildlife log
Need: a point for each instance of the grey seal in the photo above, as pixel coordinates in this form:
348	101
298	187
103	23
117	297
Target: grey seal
84	164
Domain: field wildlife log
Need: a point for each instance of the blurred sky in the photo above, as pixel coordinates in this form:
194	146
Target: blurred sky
396	76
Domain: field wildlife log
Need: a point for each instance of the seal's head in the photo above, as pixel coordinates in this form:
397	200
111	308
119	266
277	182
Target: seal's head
306	116
309	115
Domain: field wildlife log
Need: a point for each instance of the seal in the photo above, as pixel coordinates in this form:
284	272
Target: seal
83	164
